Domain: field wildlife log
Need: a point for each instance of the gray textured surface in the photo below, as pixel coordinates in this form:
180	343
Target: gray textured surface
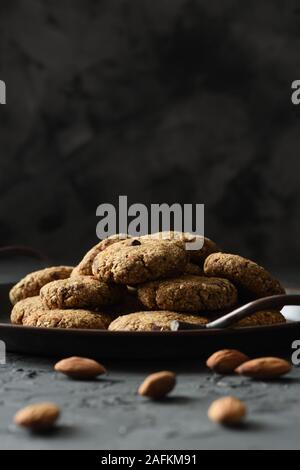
107	413
165	101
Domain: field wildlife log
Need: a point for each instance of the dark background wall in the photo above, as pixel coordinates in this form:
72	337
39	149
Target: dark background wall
164	101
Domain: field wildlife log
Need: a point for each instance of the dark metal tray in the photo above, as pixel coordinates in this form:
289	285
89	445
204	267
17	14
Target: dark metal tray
141	345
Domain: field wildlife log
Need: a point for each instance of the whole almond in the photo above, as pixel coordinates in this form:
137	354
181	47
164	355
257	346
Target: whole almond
37	416
264	368
226	361
80	367
227	410
158	385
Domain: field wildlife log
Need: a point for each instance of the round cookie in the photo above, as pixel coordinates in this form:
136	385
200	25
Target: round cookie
196	256
161	320
138	260
69	319
84	268
32	306
188	294
263	318
31	284
152	321
245	274
79	292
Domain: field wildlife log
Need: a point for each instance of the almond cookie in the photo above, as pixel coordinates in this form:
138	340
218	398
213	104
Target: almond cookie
196	256
79	292
161	320
30	312
254	280
260	318
188	294
32	306
84	268
138	260
152	321
31	284
263	318
84	319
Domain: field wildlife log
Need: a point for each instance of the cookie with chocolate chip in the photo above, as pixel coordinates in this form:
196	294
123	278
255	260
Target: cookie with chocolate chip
197	256
31	284
84	268
138	260
79	292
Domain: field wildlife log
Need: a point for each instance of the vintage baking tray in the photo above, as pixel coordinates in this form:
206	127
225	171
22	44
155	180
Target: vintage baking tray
145	345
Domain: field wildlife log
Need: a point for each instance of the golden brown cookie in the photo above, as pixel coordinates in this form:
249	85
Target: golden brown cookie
30	312
263	318
188	294
32	306
245	274
84	268
84	319
31	284
161	320
196	256
79	292
152	321
138	260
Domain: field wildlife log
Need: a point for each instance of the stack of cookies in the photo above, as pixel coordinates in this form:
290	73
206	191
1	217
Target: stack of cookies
143	284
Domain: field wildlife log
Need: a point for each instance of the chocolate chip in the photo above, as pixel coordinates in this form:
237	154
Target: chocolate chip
134	242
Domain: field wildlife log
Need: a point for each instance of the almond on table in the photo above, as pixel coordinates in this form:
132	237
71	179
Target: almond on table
38	416
227	411
158	385
264	368
226	361
80	367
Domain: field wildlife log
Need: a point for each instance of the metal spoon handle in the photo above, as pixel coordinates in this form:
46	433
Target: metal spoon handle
274	302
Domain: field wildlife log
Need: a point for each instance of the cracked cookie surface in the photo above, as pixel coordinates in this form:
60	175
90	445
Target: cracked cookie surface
152	321
160	320
75	318
31	284
79	292
138	260
188	294
197	256
244	273
30	312
31	306
263	318
84	268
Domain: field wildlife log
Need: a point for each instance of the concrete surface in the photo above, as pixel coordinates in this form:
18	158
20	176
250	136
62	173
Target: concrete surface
108	414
